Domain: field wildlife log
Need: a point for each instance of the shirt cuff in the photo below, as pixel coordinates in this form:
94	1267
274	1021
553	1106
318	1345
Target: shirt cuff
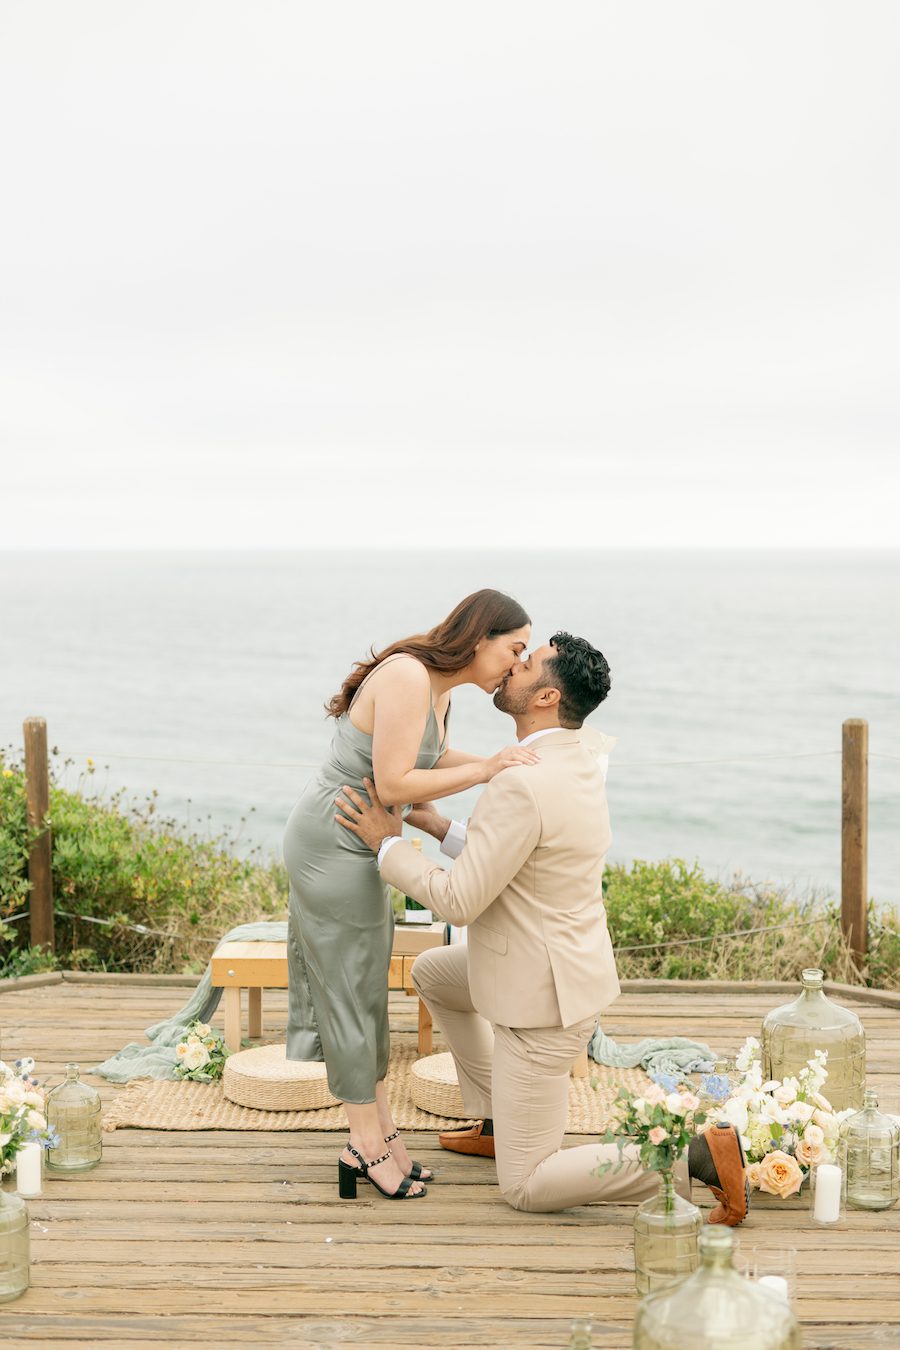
454	841
386	846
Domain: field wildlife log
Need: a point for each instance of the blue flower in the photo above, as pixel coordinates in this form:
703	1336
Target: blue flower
717	1086
667	1081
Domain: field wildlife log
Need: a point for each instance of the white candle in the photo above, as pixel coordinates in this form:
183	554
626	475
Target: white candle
28	1170
774	1284
828	1194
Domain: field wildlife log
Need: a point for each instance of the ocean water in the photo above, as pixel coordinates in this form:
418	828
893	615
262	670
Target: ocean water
203	675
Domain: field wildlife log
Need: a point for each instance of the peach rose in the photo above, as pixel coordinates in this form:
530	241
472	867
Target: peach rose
753	1176
658	1134
654	1094
779	1174
689	1101
810	1152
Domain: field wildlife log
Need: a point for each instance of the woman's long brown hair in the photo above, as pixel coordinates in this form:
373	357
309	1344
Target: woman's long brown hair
448	647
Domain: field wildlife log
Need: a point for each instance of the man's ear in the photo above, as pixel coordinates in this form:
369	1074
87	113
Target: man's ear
548	697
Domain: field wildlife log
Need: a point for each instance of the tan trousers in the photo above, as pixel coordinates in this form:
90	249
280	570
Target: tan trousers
519	1077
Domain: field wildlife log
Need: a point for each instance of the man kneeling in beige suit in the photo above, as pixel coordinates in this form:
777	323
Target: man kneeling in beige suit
519	1002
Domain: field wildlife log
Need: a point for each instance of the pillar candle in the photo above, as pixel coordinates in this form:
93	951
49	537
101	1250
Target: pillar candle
774	1284
827	1207
28	1170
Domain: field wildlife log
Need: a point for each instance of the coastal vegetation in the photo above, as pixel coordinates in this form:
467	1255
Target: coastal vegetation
136	891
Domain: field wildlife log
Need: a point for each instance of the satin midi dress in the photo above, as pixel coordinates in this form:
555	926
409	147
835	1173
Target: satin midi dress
340	924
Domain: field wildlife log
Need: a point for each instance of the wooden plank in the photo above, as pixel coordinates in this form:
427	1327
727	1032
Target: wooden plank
23	982
265	964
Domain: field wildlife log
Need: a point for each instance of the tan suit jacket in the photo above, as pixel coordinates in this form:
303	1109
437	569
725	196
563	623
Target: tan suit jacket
528	885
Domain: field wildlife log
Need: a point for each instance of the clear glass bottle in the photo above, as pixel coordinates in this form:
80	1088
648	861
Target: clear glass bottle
15	1247
666	1229
870	1150
715	1308
792	1033
73	1110
580	1338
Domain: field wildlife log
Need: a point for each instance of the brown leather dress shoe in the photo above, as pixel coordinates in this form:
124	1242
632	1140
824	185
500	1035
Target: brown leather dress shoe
473	1141
717	1159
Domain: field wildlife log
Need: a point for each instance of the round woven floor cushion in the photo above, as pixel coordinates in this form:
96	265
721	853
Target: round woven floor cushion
434	1086
265	1079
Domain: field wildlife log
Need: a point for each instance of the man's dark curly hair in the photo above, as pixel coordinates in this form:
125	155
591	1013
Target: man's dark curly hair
581	674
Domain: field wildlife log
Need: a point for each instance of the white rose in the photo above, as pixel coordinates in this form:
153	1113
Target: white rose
34	1099
196	1057
674	1104
801	1111
828	1123
15	1091
202	1029
36	1120
787	1093
814	1134
641	1110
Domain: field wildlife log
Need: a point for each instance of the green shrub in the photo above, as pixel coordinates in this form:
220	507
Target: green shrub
117	866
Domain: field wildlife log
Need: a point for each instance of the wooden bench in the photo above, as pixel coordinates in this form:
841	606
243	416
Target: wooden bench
256	966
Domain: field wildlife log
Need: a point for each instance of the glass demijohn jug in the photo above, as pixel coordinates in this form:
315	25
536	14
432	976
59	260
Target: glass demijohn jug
15	1254
792	1033
666	1229
715	1308
73	1110
870	1143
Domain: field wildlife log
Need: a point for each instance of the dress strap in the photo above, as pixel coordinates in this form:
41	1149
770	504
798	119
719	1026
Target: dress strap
381	665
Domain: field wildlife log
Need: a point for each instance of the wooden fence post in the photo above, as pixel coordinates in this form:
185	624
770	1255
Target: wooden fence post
37	788
855	836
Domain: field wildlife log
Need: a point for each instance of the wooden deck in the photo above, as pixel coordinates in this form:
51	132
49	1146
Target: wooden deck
239	1239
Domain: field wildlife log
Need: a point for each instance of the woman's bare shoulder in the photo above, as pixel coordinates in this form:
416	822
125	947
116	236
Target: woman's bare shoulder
402	673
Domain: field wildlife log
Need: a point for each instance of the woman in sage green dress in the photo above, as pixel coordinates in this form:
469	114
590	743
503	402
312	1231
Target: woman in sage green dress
391	727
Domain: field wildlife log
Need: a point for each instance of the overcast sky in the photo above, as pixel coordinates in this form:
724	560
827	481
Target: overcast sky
382	273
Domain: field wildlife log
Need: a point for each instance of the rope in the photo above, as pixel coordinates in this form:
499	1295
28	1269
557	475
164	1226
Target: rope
308	764
714	937
219	763
132	927
737	759
646	947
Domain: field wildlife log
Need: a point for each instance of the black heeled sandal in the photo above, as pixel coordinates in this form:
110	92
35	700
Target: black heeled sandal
416	1172
348	1175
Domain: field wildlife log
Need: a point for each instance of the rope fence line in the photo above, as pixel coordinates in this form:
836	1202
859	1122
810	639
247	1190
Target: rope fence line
644	947
714	937
309	764
132	927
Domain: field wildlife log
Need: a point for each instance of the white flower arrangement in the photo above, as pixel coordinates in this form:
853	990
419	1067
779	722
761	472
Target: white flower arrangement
201	1055
22	1118
786	1126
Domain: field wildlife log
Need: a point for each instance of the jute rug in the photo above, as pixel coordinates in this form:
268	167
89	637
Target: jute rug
150	1104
